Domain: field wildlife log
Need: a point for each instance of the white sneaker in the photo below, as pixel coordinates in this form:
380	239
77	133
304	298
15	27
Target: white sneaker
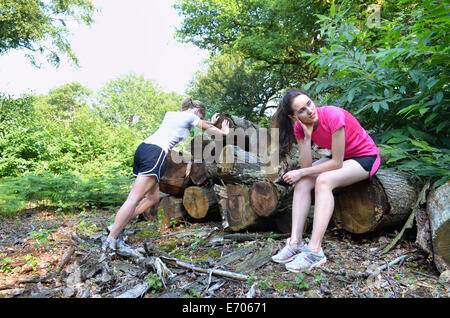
306	260
287	253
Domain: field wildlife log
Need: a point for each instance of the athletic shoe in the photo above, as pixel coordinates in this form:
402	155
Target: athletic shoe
120	241
109	228
108	249
306	260
287	253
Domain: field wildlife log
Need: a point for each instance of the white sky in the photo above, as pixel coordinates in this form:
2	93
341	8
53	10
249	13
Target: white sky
127	36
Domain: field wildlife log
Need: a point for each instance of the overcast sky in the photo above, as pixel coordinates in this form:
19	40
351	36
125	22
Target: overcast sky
132	36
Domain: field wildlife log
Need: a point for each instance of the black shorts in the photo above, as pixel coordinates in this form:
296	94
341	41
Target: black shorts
149	160
365	161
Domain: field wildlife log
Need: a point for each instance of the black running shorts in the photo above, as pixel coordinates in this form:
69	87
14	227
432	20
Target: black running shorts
365	161
149	160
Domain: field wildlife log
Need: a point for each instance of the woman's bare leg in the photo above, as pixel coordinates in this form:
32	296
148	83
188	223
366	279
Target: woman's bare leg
141	186
350	173
301	204
151	199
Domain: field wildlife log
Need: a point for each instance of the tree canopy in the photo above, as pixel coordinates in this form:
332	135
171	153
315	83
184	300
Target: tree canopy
41	27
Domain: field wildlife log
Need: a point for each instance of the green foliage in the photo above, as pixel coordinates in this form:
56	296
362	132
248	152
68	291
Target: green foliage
281	34
41	26
395	79
59	150
135	102
5	264
234	85
42	238
154	282
64	190
301	282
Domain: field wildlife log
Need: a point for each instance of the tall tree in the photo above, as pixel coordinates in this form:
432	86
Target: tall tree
280	33
136	102
235	85
41	27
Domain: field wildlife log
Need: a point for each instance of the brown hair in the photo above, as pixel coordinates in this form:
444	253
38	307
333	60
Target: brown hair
282	121
188	103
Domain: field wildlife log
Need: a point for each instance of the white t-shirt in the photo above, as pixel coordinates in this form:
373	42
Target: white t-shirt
174	128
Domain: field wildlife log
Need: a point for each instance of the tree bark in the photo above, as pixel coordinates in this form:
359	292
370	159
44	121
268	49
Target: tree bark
176	177
201	202
240	166
371	206
438	209
168	210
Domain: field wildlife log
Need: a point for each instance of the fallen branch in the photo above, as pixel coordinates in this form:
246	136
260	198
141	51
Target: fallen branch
136	292
365	274
216	272
46	277
173	261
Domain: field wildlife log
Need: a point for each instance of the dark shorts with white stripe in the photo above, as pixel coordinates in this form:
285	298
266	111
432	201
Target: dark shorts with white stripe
365	161
149	160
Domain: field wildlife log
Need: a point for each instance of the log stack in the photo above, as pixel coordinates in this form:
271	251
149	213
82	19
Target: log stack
232	180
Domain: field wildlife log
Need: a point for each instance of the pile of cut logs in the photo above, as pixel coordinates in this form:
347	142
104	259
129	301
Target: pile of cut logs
236	179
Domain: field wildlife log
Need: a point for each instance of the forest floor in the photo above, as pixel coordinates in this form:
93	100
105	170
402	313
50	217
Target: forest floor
39	257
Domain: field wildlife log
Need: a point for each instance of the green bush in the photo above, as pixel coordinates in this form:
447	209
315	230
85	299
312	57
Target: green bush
394	77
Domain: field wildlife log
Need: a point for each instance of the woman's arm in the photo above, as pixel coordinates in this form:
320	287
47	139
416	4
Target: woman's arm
213	130
337	151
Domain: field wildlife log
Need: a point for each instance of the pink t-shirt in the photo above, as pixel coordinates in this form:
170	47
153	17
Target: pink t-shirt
357	142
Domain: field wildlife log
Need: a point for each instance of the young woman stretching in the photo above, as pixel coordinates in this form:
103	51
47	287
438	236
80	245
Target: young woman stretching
354	157
150	160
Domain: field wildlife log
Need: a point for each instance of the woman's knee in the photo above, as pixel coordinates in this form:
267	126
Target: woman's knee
304	184
323	183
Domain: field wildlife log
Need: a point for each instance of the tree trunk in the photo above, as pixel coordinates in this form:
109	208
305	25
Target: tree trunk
243	133
239	166
176	176
438	208
235	208
371	206
269	198
201	202
168	210
202	172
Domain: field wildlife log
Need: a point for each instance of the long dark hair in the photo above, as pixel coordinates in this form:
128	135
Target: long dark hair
282	121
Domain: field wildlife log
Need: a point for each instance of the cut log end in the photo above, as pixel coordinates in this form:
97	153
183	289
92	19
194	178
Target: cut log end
199	201
263	198
168	210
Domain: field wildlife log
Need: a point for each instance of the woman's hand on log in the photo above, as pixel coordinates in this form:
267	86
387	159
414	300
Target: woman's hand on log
225	127
293	176
215	118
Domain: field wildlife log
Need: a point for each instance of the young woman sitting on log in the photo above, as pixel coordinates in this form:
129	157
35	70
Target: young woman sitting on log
354	157
150	160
